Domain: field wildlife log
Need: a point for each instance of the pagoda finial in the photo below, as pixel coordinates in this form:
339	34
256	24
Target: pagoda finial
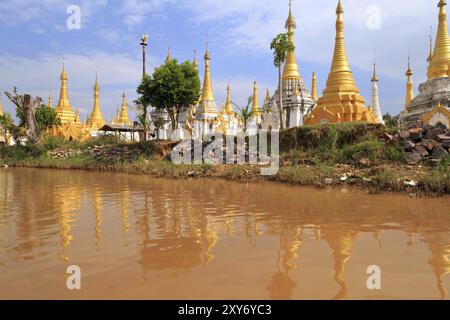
228	105
314	87
440	62
374	77
207	92
168	57
194	62
291	70
267	95
255	103
409	85
1	107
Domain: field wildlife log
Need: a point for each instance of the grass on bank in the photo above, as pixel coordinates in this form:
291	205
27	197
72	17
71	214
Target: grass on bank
309	156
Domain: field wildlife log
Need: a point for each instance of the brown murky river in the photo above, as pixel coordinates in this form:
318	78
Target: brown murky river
139	238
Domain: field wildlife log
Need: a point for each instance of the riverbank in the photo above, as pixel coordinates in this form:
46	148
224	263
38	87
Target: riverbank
343	155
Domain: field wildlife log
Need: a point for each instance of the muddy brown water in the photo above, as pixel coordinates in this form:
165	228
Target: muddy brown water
135	237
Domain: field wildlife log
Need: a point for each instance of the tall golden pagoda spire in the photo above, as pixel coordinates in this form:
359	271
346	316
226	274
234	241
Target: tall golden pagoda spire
291	70
340	101
409	85
267	98
207	92
123	115
50	101
64	109
374	77
95	120
194	62
255	103
440	63
228	105
1	106
314	87
168	57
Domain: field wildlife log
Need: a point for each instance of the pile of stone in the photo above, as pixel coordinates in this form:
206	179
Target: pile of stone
424	144
61	153
108	153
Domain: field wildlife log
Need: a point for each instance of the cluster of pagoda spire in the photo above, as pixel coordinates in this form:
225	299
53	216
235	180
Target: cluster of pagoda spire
339	94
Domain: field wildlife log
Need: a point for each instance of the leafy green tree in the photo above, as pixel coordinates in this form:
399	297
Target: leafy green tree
6	127
46	117
172	88
390	121
281	46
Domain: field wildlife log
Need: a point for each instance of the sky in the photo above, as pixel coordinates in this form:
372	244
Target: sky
37	36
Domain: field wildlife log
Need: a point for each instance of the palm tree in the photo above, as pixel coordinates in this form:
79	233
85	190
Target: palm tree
246	113
281	46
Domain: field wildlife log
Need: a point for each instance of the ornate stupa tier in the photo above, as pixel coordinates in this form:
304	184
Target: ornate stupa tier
340	101
440	63
64	109
95	121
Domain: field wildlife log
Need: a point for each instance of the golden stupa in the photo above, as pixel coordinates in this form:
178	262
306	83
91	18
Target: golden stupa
122	118
96	120
256	109
439	66
341	101
64	109
71	127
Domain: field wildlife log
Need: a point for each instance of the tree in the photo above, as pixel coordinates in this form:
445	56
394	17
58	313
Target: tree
46	117
246	114
281	46
390	121
6	126
28	106
172	88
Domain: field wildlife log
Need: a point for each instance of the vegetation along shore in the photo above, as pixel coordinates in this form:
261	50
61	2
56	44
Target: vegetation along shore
378	158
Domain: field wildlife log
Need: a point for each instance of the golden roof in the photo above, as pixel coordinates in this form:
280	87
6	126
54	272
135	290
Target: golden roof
440	63
291	70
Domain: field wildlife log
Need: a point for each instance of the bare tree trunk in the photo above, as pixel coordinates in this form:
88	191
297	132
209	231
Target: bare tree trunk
280	97
28	106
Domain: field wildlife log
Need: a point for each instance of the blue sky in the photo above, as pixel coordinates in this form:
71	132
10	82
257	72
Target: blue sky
35	40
